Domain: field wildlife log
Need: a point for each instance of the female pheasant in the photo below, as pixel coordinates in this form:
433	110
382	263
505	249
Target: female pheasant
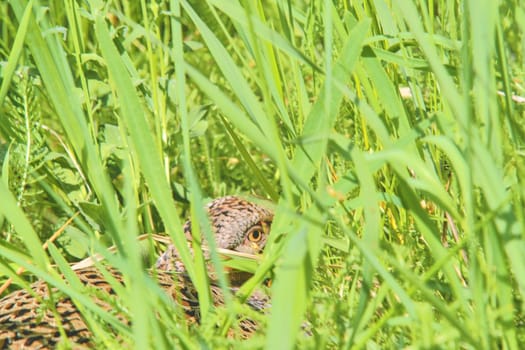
237	224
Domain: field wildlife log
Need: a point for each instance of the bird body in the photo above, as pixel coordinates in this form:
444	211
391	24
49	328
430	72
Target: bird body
27	323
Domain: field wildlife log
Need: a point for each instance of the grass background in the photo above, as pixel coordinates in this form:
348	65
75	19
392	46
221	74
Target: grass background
388	134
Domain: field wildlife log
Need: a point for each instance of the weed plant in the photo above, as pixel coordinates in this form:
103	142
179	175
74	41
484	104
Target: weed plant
387	134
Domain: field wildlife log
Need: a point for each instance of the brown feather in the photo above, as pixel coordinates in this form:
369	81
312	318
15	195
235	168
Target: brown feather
26	322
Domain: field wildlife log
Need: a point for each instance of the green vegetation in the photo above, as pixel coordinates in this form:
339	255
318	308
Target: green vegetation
389	135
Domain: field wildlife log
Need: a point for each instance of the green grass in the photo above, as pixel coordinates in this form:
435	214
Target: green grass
399	216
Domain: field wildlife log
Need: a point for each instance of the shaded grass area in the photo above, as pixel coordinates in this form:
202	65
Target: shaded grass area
388	136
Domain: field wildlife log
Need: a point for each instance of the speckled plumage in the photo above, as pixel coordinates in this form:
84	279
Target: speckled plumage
237	224
233	220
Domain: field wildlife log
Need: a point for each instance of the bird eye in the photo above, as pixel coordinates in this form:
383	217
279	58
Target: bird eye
255	235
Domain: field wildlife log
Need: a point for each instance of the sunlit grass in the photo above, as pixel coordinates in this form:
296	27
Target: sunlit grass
386	134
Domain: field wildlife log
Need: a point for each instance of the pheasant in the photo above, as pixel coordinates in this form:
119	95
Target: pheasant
237	225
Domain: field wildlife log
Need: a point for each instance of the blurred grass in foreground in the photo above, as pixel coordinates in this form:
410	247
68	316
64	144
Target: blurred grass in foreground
388	135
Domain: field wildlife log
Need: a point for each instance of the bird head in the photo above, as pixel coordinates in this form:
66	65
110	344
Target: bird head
237	225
